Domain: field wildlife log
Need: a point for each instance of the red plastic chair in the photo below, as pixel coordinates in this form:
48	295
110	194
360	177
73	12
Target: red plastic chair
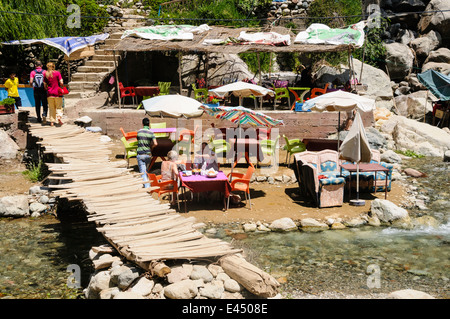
164	187
318	90
127	91
130	136
242	183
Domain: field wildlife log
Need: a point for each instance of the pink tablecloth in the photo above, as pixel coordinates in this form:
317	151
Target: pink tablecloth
199	183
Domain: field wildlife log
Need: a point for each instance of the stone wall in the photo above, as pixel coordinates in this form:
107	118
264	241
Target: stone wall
297	124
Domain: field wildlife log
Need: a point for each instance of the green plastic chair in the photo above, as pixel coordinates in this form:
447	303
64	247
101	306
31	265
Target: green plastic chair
159	125
220	146
143	99
280	93
164	87
269	147
200	94
130	149
293	146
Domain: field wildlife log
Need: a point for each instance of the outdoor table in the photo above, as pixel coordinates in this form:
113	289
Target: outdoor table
200	184
247	147
368	167
147	90
164	146
170	130
320	144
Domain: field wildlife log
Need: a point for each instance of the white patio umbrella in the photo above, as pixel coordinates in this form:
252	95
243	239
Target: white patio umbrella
172	105
241	89
340	101
356	148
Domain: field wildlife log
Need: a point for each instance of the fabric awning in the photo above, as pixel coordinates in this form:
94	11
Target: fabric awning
437	83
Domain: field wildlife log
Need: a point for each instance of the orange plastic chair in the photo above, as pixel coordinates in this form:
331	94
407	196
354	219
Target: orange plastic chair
163	186
130	136
127	91
242	184
318	90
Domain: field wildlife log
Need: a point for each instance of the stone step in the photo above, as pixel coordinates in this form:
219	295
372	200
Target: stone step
80	94
102	51
111	42
88	77
97	69
115	35
96	63
102	57
82	85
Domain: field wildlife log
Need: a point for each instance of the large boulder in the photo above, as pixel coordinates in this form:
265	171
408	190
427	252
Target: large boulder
387	211
441	55
443	68
425	44
8	148
400	59
414	105
14	206
419	137
437	19
229	67
377	82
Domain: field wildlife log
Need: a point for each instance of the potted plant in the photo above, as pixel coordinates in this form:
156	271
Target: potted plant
212	102
7	106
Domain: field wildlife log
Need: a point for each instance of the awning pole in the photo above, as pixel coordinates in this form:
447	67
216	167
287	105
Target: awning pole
117	78
180	56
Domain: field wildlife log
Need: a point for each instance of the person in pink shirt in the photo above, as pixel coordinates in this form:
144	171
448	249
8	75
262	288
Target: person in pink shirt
53	82
39	92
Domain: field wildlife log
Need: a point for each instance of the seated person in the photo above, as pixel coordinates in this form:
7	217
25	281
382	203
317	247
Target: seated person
206	155
171	167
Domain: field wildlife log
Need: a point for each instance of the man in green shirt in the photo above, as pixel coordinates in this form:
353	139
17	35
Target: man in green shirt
146	141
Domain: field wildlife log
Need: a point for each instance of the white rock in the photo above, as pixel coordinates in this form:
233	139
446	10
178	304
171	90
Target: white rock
231	285
201	272
409	294
249	227
100	281
37	207
313	225
222	276
143	286
283	224
185	289
211	291
109	293
178	273
127	295
387	211
14	206
215	269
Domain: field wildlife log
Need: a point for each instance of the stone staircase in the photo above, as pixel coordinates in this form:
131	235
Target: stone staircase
86	81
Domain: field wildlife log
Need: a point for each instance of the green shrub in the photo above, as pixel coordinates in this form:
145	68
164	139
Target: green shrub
35	173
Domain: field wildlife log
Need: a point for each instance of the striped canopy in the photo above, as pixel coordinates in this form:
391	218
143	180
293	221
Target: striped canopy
241	115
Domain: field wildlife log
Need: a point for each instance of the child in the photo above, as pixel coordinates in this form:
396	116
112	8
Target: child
12	86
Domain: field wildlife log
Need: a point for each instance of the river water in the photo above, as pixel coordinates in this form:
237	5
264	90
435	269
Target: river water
35	253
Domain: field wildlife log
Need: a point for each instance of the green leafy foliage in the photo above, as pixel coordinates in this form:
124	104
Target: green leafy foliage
8	101
346	12
410	153
35	19
35	172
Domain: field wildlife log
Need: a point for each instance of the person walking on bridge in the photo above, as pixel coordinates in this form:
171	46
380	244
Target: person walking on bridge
146	141
39	92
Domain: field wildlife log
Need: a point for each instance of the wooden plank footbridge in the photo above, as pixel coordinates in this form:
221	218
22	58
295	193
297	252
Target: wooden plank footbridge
141	229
